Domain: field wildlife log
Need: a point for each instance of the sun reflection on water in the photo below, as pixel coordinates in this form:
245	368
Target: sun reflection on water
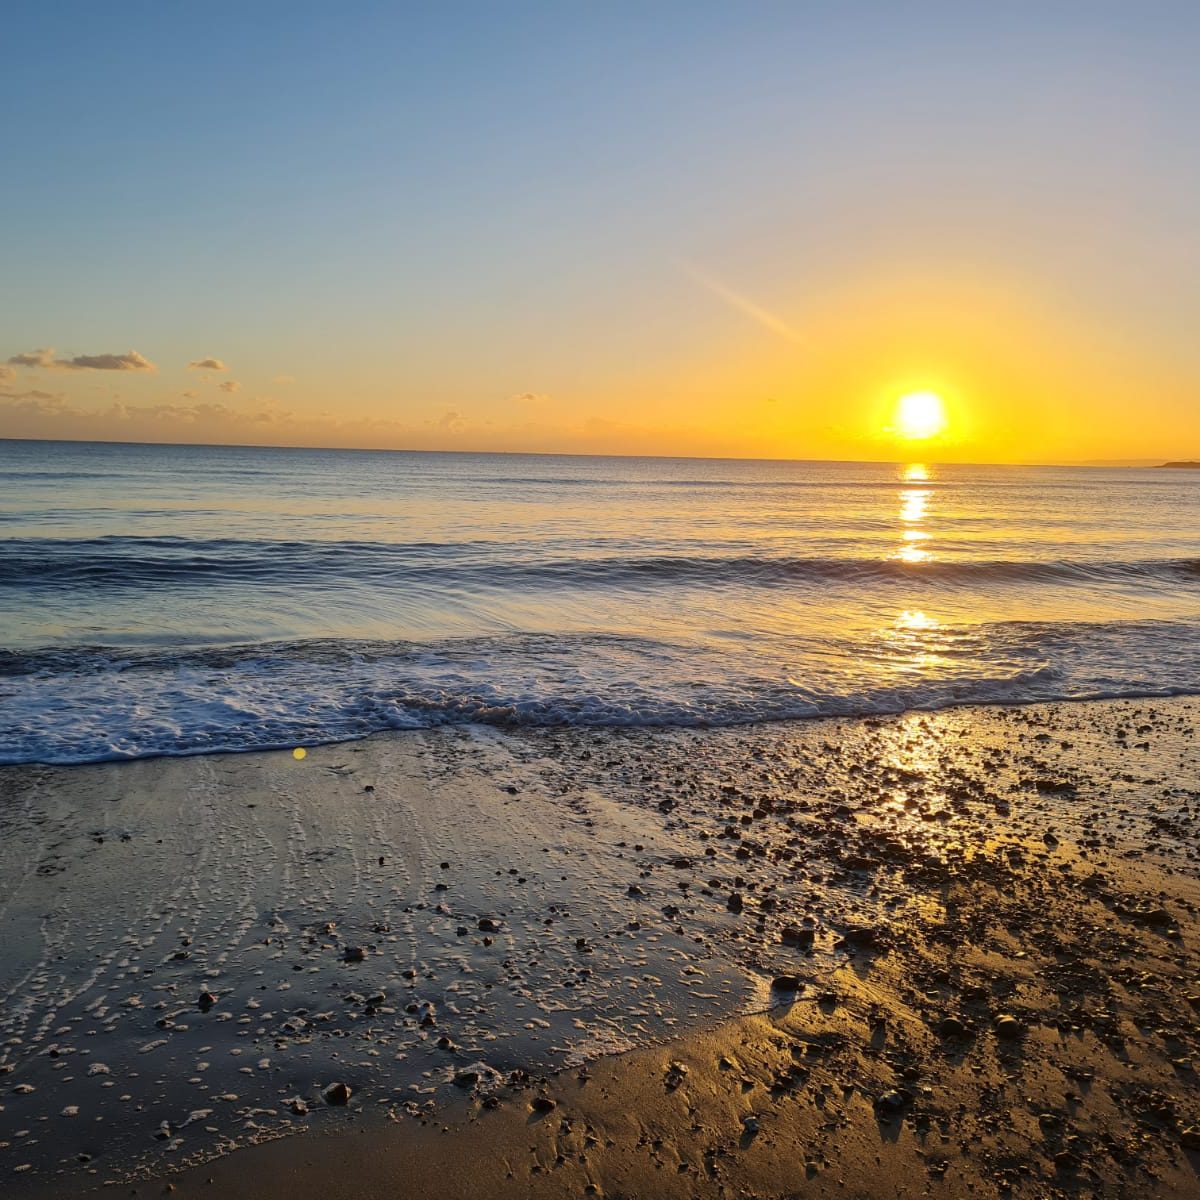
914	618
914	513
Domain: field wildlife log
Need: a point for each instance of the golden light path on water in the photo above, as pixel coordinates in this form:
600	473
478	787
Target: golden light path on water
914	514
913	629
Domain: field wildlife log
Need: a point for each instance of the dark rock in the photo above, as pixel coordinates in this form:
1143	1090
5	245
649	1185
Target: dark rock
205	1001
793	935
786	983
1008	1027
951	1027
337	1093
354	954
892	1102
863	935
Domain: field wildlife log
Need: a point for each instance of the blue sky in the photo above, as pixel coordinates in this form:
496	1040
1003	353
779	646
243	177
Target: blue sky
510	224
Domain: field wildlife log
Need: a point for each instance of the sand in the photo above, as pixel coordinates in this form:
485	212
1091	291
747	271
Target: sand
945	953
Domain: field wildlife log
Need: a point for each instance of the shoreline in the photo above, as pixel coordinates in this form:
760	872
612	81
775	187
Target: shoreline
966	863
665	727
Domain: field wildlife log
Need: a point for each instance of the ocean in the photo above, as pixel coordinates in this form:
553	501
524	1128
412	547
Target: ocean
168	600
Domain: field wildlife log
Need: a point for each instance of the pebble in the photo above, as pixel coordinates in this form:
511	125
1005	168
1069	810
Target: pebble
792	935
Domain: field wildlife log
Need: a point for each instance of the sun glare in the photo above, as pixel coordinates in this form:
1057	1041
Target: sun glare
920	415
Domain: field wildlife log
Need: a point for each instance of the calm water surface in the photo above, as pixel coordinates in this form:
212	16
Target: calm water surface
179	599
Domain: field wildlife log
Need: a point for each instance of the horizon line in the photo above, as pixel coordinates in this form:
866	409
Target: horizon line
1083	462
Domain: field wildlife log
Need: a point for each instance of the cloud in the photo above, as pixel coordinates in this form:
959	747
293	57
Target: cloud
6	372
35	395
230	386
131	360
207	364
451	420
35	358
44	358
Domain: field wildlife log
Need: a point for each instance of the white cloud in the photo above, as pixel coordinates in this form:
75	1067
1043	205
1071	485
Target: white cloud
207	364
230	386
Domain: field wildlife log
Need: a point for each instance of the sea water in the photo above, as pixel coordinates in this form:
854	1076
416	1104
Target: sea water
180	599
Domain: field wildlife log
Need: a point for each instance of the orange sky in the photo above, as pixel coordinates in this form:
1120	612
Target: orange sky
688	231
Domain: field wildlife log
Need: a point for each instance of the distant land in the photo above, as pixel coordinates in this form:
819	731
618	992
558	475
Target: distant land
1191	464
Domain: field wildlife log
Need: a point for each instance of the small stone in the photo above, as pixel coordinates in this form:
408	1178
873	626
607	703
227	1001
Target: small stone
1008	1027
488	925
792	935
951	1027
891	1101
862	935
354	954
786	983
298	1106
466	1079
205	1001
735	903
337	1093
543	1104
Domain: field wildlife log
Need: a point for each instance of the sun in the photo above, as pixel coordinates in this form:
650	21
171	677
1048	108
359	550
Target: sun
920	415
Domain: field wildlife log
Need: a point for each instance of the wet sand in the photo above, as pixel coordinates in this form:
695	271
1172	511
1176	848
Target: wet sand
945	953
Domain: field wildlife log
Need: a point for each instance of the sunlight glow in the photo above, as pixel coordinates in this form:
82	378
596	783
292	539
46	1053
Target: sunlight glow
920	415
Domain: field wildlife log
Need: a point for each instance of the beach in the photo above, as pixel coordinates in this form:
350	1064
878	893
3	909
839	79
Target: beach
600	601
944	953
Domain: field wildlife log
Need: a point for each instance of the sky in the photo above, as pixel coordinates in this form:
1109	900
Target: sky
736	229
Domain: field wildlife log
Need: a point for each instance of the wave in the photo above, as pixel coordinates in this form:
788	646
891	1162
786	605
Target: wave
122	562
88	704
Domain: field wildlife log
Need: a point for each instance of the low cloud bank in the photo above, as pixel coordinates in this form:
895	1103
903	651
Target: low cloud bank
44	359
